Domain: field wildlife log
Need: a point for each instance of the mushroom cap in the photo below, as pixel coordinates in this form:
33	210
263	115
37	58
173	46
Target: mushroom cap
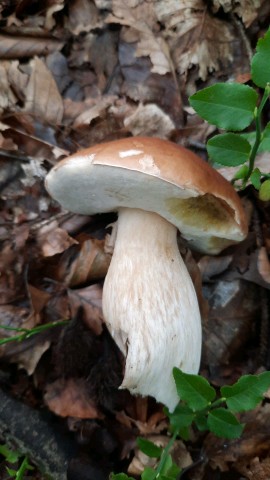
154	175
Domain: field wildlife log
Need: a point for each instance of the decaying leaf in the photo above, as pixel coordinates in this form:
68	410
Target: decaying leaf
53	240
83	16
83	263
12	47
246	9
69	398
42	98
151	121
88	299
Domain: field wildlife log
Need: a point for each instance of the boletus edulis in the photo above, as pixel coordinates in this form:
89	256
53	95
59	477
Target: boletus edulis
149	302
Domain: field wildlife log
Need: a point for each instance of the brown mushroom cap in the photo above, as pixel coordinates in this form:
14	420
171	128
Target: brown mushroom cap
154	175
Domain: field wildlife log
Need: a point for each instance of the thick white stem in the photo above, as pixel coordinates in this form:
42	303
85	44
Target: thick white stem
150	306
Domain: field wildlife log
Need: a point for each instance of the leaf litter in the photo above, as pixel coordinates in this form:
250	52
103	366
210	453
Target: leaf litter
74	74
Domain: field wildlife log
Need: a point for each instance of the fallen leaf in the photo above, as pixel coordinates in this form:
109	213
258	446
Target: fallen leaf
83	263
42	98
149	120
52	240
247	10
13	47
89	300
82	16
69	398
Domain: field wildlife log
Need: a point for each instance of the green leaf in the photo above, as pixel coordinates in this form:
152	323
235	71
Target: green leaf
227	105
201	422
241	173
11	472
260	65
181	417
255	178
173	470
224	424
11	456
120	476
148	474
265	142
149	448
264	192
229	149
169	470
193	389
247	392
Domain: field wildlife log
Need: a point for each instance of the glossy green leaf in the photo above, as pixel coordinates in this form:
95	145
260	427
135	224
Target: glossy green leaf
224	424
149	448
169	470
227	105
229	149
148	474
193	389
264	192
201	422
260	65
255	178
181	417
247	392
120	476
241	173
11	456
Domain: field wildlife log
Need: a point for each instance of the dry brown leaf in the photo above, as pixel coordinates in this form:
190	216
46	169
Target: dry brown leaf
17	79
264	265
89	300
52	240
141	18
82	17
11	278
13	47
83	263
149	120
42	98
247	10
86	117
28	358
256	469
234	308
7	97
39	298
194	37
55	6
69	398
213	266
7	143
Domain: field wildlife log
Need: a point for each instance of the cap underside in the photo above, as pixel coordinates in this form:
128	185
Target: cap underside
83	187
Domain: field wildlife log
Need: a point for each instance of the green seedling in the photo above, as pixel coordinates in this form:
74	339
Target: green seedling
233	107
14	456
204	409
25	333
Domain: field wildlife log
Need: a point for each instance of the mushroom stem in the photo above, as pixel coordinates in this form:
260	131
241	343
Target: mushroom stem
150	305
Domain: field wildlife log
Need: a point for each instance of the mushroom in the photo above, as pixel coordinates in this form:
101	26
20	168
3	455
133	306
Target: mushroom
149	302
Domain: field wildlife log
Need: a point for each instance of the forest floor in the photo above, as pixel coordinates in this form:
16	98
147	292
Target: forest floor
77	73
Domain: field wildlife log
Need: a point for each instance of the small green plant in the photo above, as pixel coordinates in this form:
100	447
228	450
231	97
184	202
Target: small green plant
233	107
25	333
207	410
14	456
